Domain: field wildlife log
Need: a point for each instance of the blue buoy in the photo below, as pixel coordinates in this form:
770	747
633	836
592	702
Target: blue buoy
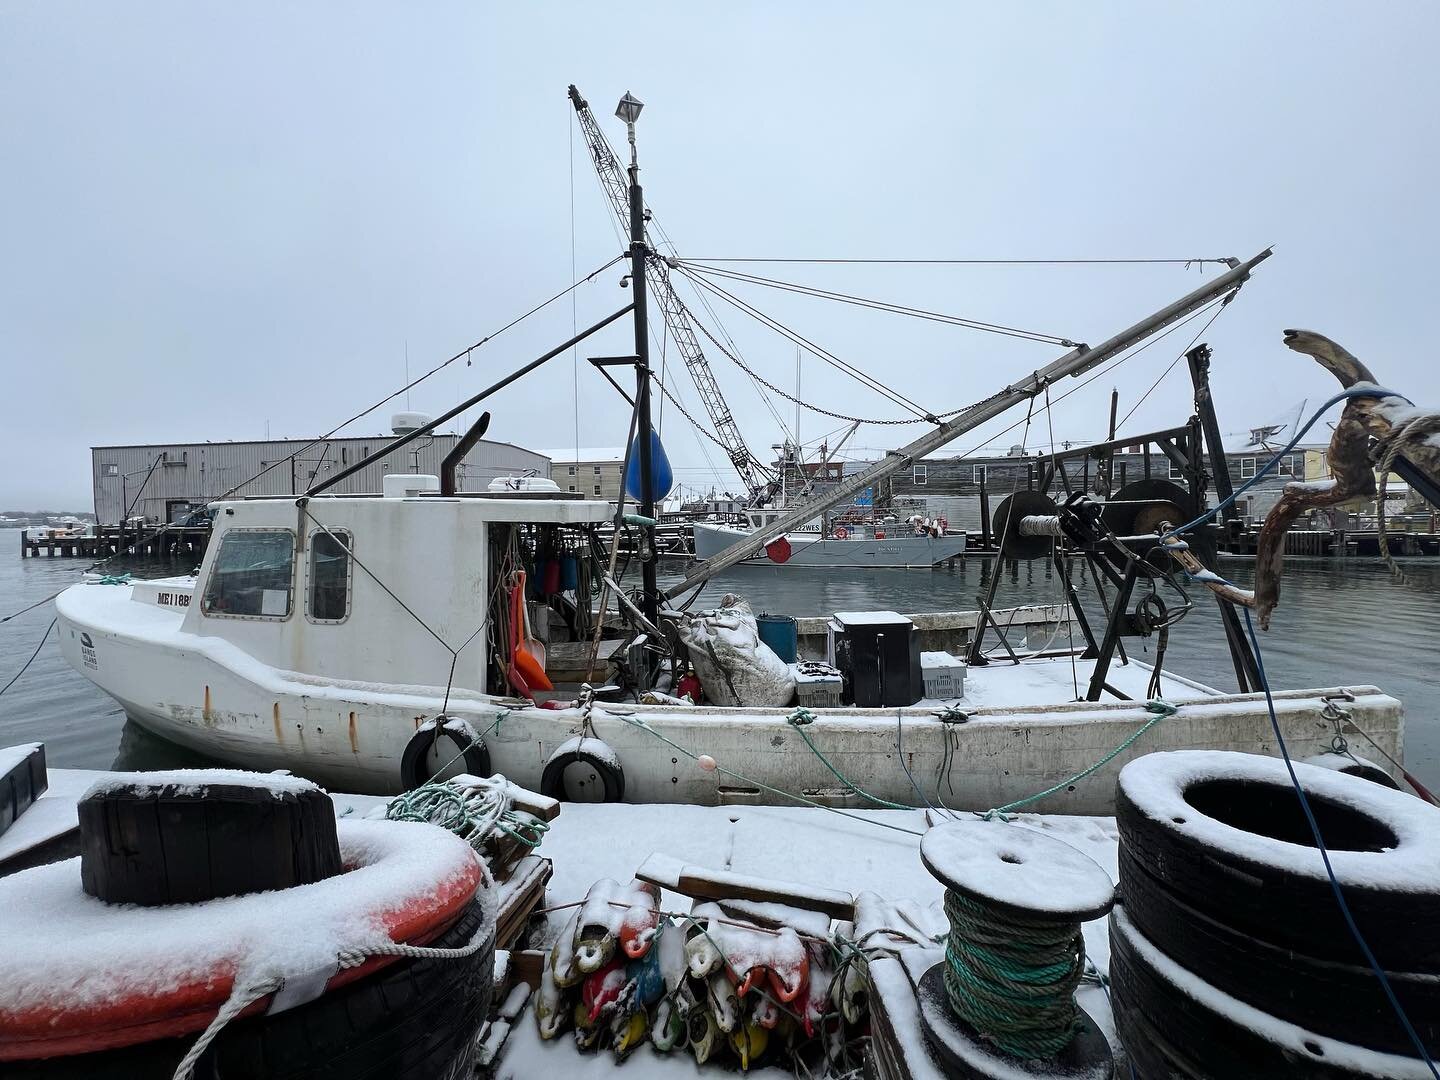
662	477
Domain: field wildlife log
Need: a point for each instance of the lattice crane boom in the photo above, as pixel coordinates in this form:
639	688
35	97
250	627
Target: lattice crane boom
753	473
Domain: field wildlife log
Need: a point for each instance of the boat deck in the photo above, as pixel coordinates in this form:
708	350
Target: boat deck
1055	680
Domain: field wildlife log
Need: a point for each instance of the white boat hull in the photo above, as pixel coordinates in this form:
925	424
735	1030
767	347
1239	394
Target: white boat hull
207	694
811	549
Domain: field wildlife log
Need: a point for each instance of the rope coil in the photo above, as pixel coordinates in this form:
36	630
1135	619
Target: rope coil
1012	977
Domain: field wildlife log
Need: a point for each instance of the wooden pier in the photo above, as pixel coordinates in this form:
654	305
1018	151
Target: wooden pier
140	542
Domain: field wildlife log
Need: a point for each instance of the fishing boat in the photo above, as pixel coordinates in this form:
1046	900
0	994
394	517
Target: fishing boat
375	642
849	545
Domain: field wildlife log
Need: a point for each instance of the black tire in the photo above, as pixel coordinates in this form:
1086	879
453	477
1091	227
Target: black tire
180	844
608	775
467	743
413	1020
22	784
1190	1032
1169	828
1354	766
1324	995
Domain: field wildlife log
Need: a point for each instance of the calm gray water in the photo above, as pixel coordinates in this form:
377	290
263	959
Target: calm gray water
1339	623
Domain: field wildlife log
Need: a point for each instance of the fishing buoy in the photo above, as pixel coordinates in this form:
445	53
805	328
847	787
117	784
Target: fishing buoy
662	476
706	762
1002	1003
842	533
779	550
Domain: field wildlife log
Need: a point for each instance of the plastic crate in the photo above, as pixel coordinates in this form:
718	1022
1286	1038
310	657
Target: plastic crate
817	685
943	675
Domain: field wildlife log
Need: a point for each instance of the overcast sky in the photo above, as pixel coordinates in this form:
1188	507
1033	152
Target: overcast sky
223	219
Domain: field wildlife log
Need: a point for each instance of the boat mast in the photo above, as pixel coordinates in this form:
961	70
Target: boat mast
1076	362
629	111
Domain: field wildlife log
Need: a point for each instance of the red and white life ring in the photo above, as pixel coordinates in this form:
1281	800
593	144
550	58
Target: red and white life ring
842	533
409	881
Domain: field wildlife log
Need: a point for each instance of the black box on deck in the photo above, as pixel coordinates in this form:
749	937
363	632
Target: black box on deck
878	653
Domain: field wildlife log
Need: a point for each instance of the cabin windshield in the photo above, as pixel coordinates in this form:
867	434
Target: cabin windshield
252	575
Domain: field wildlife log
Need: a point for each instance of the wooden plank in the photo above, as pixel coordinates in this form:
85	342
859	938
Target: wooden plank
701	883
527	966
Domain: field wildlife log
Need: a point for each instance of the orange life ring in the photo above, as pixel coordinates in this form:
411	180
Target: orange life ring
842	533
410	909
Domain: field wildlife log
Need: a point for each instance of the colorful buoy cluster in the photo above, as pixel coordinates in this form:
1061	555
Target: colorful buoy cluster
623	973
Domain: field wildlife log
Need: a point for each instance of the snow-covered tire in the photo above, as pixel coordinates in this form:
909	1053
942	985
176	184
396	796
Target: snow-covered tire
464	740
608	776
1305	990
412	1020
1223	832
1351	765
1172	1023
181	843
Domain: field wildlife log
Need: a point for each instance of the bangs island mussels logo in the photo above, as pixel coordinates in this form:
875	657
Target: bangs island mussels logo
87	651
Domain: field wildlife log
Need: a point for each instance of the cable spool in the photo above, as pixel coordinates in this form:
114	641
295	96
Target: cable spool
1001	1003
1141	508
1017	539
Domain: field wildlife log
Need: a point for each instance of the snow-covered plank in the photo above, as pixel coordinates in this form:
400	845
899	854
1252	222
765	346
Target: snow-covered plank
703	883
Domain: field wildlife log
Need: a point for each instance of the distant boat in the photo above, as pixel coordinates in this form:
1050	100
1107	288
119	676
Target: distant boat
899	545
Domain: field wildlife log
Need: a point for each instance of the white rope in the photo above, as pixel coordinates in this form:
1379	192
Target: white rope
241	998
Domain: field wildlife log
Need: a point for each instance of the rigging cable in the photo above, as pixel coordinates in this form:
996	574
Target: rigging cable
463	353
822	354
1179	356
884	305
979	262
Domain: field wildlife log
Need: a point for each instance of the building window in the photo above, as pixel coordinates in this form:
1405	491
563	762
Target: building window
252	575
1247	467
597	470
329	595
1176	473
977	473
109	469
570	470
1287	466
572	487
919	474
597	489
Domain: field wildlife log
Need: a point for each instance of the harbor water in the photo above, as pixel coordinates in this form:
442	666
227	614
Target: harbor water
1340	623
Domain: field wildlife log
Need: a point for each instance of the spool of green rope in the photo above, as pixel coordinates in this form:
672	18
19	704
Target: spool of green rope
1004	996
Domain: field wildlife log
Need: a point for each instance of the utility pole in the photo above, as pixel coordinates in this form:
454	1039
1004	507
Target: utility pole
629	111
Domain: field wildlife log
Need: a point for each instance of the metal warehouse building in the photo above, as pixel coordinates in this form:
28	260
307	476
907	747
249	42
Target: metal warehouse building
165	482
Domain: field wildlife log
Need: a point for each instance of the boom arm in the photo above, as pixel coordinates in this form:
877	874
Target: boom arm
677	317
1075	362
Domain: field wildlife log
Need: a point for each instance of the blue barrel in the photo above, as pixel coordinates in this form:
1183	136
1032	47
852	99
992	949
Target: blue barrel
781	634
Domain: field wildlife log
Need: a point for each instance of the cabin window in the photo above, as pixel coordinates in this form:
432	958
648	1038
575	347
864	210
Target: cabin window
1247	467
252	575
919	473
329	585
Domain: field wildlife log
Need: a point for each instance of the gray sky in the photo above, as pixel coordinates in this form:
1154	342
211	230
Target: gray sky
221	216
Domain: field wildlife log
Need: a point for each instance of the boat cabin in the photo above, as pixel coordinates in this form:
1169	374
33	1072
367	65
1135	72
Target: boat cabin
406	588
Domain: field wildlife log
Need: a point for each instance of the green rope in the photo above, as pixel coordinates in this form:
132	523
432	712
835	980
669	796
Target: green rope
798	720
112	579
1013	979
1159	707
